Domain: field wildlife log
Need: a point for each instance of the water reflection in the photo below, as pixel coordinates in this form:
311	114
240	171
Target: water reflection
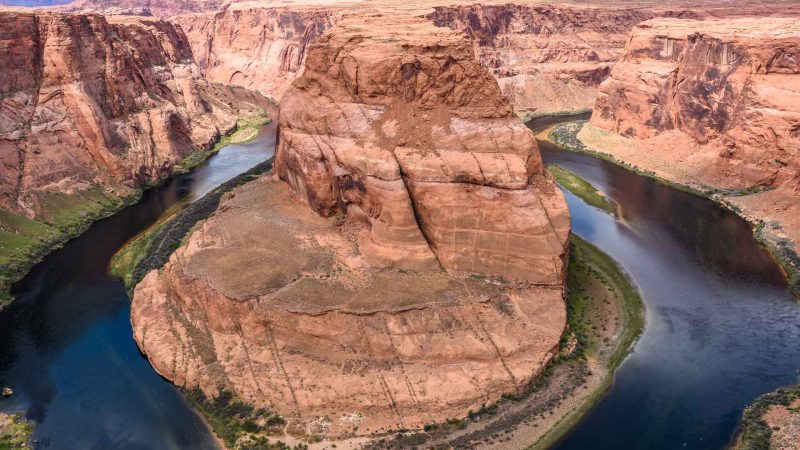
721	326
66	345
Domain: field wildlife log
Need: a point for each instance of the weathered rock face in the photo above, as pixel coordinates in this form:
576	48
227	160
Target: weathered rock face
403	128
160	8
334	310
733	85
713	103
258	48
86	100
546	58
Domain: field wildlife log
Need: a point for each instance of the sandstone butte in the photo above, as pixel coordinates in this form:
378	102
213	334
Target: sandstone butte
714	104
88	101
403	264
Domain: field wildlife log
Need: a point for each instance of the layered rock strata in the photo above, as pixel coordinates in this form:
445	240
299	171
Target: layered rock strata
715	104
258	48
402	129
546	58
410	266
90	101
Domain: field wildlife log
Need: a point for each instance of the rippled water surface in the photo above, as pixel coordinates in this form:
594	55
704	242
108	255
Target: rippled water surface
66	345
721	326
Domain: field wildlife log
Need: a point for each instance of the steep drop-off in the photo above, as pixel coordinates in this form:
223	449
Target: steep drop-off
714	104
546	58
91	107
258	48
409	269
91	100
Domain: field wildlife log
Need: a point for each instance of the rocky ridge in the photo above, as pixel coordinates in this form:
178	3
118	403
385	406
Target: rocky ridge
345	300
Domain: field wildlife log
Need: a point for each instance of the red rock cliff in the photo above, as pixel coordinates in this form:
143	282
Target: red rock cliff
86	100
732	86
405	130
258	48
335	310
546	58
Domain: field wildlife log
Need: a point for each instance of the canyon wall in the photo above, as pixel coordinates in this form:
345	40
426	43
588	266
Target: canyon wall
90	101
546	58
258	48
732	85
404	264
714	104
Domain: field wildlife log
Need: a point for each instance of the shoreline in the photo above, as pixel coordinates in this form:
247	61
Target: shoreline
573	383
600	293
782	253
26	259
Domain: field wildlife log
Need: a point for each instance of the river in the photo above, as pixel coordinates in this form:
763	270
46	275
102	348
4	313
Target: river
66	344
721	325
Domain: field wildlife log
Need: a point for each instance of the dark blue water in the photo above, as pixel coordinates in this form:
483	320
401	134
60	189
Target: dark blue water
66	345
721	326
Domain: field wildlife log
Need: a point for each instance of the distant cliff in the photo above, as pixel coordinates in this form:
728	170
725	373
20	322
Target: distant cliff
261	48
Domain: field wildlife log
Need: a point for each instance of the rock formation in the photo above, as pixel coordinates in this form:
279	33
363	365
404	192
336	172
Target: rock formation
258	48
410	267
712	103
546	58
160	8
87	100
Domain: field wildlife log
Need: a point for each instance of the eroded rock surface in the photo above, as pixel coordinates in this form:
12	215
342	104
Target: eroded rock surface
403	128
546	58
88	101
408	269
713	103
258	48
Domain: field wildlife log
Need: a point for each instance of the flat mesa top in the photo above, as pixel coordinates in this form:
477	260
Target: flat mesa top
732	28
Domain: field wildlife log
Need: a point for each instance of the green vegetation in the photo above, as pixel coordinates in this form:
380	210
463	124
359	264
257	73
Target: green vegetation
598	293
586	262
152	249
755	432
581	188
15	432
247	129
239	425
24	241
565	135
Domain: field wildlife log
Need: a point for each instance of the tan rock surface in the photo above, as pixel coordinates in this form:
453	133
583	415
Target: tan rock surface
275	302
87	100
258	48
712	103
546	58
785	424
335	309
401	128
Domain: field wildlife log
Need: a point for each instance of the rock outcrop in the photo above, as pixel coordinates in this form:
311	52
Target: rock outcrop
546	58
403	128
90	101
258	48
410	267
715	104
159	8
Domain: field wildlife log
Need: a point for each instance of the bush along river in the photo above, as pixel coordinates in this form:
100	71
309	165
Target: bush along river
66	345
721	325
